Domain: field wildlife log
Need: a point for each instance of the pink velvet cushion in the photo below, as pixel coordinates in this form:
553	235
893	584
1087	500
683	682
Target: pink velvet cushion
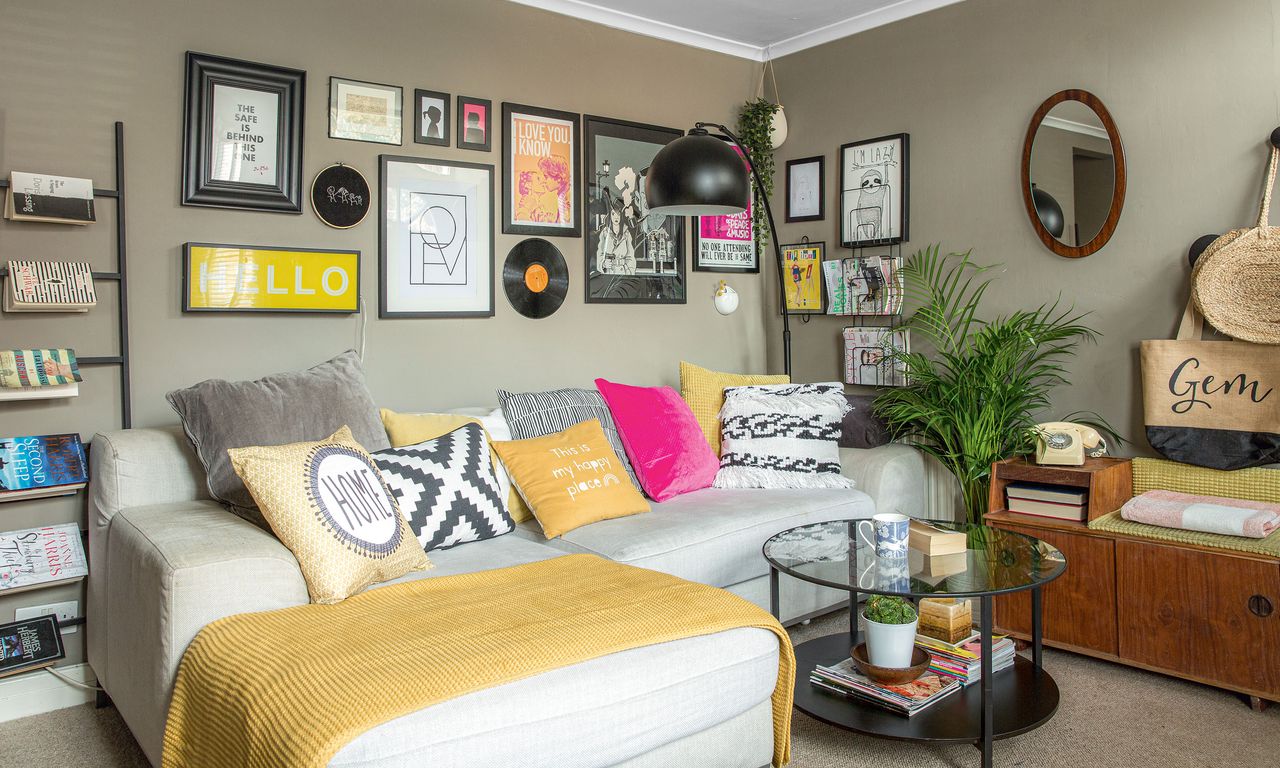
667	448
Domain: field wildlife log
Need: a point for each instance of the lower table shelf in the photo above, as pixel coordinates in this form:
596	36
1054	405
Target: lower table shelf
1025	698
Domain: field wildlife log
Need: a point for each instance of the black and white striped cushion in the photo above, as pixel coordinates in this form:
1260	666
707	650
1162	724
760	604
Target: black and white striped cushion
534	414
446	488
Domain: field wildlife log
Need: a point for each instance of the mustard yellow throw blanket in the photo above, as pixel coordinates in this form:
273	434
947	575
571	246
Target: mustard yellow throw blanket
293	686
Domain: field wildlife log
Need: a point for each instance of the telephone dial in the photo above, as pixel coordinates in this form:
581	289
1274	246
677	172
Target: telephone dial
1065	443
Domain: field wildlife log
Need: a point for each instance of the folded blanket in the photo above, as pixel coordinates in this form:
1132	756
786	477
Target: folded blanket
1208	514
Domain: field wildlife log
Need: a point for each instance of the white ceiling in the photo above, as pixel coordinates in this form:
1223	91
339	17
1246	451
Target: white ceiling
753	29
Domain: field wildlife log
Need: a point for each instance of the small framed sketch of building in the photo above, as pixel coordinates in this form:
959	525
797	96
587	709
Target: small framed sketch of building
874	195
435	238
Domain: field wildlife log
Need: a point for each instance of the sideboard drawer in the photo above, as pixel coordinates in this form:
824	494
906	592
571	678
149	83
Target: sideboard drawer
1210	616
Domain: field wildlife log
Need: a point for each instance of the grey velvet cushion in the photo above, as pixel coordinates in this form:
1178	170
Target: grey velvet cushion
861	427
276	410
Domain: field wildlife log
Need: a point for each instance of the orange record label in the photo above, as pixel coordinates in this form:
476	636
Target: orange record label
536	278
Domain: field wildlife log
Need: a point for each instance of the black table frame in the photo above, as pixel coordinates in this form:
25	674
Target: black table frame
986	628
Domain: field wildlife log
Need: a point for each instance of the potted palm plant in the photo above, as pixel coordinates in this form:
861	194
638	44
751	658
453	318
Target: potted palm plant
974	392
891	631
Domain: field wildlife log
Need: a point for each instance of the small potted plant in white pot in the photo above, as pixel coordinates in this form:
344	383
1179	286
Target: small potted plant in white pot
891	630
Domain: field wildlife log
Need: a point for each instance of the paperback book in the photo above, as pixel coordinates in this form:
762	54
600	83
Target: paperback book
41	557
1058	502
905	699
48	198
41	465
21	368
29	644
49	286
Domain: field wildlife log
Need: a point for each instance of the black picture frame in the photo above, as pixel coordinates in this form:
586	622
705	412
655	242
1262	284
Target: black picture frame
446	119
655	285
487	128
205	73
695	224
336	133
572	197
486	227
821	162
186	284
902	198
821	247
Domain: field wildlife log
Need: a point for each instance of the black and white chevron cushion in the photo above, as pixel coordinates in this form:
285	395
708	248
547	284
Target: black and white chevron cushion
446	488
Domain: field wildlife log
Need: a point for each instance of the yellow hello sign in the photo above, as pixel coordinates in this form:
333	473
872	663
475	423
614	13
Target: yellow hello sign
241	278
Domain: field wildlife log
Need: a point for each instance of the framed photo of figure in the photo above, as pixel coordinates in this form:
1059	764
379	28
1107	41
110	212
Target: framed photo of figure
431	120
242	135
435	238
541	172
360	111
802	277
727	243
806	188
874	194
474	119
630	255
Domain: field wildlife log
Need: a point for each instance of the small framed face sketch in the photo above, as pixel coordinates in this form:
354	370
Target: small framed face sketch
474	123
431	117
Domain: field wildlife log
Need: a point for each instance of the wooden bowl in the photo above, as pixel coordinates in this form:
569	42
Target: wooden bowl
920	659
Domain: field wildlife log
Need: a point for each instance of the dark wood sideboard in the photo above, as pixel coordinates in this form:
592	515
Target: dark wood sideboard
1202	614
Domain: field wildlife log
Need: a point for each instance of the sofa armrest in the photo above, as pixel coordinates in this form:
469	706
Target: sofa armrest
893	475
173	568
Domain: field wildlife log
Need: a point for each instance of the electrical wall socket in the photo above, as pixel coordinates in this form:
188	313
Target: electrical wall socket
64	611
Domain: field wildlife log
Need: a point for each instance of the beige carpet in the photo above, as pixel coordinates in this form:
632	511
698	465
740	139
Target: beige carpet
1109	716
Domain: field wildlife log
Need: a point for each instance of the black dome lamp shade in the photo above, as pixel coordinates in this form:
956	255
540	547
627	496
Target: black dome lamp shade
701	175
1049	211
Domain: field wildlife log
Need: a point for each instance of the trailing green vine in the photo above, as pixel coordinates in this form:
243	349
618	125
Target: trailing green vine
755	121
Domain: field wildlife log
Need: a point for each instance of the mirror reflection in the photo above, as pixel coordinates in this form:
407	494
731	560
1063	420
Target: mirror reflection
1072	173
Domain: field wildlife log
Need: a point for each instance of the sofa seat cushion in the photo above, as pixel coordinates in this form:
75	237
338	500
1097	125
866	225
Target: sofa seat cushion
486	555
713	536
600	712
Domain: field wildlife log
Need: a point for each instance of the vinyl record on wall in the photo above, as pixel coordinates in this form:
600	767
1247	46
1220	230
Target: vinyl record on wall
535	277
340	196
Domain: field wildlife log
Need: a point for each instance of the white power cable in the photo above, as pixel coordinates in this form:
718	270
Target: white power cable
69	681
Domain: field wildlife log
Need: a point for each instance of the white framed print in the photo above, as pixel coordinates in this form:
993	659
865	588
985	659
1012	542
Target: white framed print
806	183
362	111
435	238
874	195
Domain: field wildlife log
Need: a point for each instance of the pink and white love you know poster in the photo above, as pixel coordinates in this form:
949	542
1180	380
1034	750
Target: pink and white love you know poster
726	243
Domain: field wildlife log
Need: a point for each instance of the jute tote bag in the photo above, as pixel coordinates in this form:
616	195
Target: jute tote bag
1211	403
1236	281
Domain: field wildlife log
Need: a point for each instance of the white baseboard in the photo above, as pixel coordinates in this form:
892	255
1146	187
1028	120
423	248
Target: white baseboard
33	693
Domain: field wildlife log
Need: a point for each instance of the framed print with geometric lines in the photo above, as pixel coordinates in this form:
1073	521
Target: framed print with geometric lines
435	238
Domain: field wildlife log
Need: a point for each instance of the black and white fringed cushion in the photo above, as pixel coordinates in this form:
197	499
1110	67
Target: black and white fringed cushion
446	488
782	436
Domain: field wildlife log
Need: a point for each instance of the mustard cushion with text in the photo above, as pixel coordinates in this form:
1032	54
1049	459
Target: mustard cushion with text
412	428
704	389
327	502
571	478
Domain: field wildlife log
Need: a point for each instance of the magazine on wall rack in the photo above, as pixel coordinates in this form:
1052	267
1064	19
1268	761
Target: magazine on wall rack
869	357
864	285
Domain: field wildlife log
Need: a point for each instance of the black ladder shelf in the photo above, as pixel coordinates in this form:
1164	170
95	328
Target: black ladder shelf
118	276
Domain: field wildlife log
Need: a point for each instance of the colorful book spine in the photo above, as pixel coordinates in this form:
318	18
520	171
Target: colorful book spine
41	461
21	368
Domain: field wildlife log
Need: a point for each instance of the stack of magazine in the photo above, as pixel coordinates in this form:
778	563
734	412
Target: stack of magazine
963	660
844	679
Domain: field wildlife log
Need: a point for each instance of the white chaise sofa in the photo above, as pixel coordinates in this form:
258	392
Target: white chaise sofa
167	560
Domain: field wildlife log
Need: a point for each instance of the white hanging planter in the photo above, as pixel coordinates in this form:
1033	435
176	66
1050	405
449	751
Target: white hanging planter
778	128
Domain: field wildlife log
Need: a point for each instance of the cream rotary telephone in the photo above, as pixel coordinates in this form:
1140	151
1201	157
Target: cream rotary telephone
1065	443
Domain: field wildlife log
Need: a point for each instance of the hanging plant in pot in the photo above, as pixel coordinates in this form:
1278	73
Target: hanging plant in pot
755	126
891	624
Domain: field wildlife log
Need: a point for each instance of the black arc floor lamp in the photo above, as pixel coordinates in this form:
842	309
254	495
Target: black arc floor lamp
700	175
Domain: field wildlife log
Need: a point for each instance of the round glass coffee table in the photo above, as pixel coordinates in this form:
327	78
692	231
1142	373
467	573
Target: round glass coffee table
1013	701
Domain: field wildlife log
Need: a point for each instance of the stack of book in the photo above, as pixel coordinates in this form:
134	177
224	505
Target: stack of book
1056	501
42	465
38	374
962	661
41	557
907	699
48	198
49	286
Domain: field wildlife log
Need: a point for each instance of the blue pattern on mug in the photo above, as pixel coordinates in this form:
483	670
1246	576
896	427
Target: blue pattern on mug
890	533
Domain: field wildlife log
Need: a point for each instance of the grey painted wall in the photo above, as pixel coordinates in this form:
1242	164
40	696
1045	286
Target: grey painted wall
73	67
1193	87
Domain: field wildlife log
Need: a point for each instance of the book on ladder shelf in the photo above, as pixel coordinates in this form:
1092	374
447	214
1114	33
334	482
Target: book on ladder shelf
38	374
46	556
49	286
38	466
51	199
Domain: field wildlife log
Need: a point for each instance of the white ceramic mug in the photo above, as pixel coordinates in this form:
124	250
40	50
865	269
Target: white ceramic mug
888	534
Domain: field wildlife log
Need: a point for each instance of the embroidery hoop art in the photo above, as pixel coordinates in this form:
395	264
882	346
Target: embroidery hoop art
342	175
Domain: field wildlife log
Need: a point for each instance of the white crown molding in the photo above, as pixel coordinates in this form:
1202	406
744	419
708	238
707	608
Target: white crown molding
37	692
852	26
641	26
1074	127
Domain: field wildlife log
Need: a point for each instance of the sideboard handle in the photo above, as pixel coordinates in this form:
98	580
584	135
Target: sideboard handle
1260	606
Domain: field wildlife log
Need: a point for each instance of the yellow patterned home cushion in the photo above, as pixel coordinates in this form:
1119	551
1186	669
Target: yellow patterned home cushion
571	478
327	502
413	428
1256	484
703	390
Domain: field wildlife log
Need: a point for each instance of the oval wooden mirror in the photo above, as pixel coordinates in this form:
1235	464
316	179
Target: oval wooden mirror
1073	173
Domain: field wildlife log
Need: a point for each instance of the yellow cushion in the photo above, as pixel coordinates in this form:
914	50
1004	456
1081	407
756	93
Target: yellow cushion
571	478
413	428
703	390
327	502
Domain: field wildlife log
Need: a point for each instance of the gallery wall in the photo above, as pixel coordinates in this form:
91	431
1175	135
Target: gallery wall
73	67
1194	88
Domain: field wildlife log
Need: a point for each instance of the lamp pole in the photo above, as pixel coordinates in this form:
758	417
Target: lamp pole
773	239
